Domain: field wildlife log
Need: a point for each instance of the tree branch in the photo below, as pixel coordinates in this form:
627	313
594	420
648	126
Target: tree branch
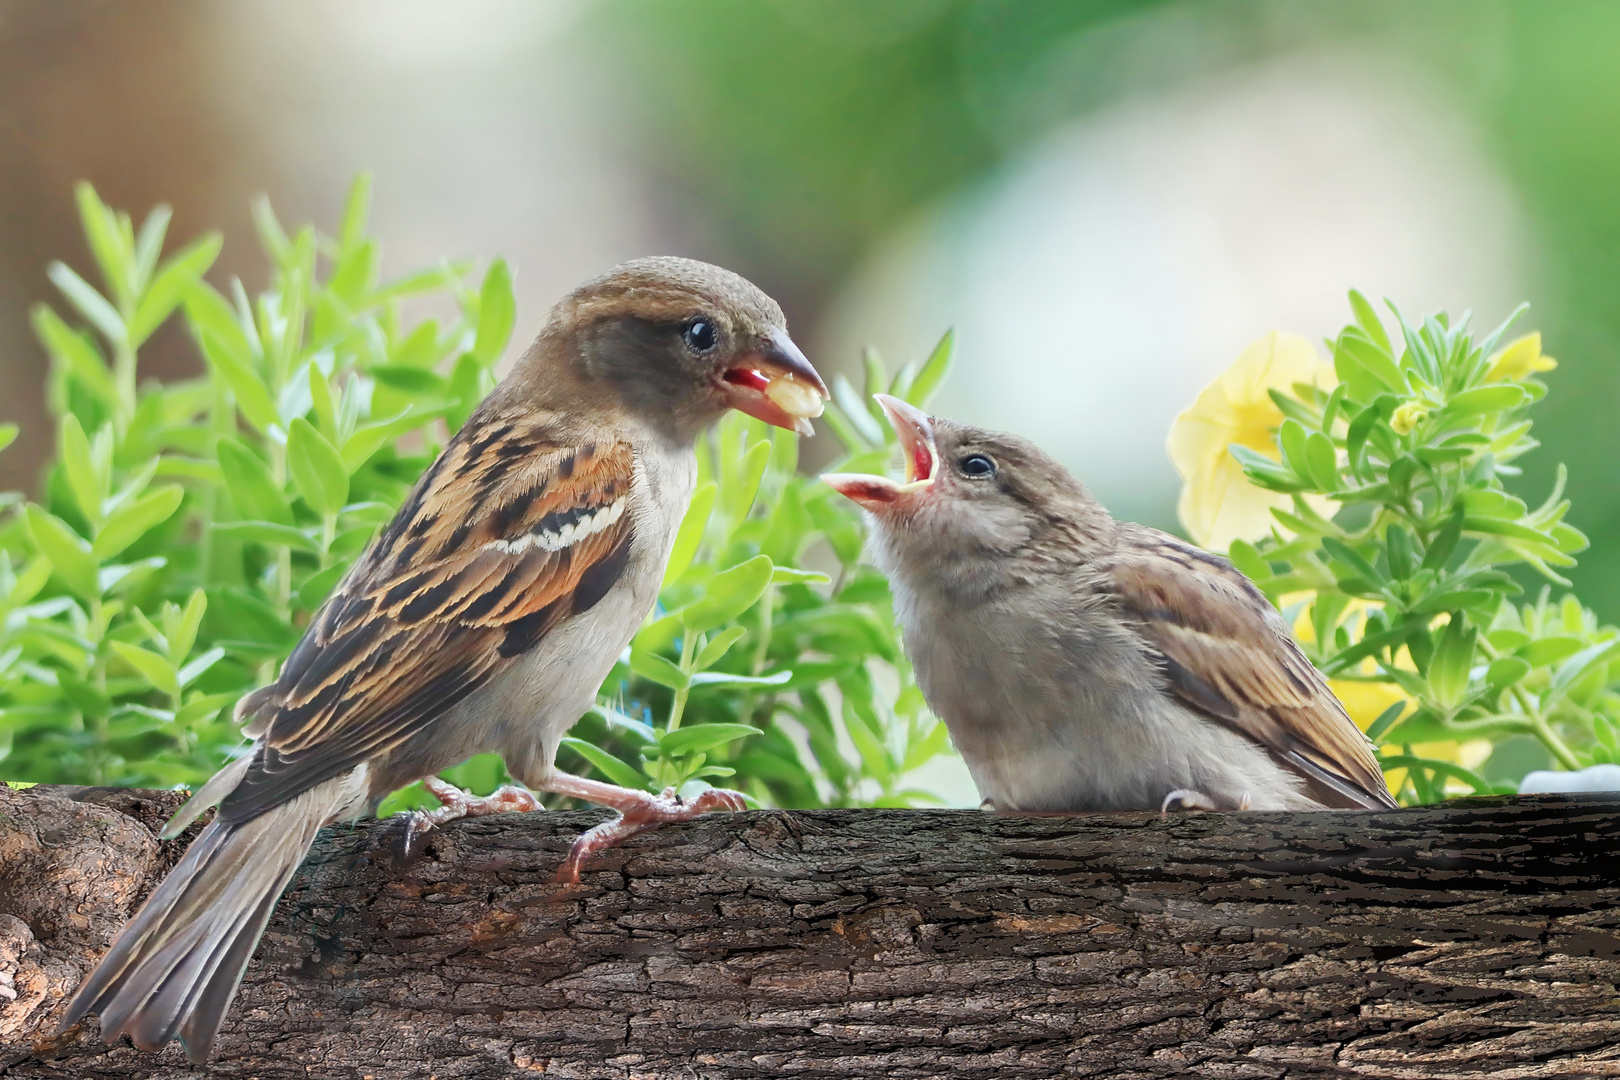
1475	939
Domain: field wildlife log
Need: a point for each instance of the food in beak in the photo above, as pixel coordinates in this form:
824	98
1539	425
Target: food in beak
916	432
775	383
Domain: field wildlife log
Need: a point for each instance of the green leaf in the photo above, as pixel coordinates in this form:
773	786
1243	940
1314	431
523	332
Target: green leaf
172	283
149	245
268	532
1323	461
616	771
203	707
750	471
1367	318
787	575
78	464
313	593
1448	671
1265	472
408	380
1246	557
701	738
934	370
649	665
728	595
356	211
1576	666
1352	558
185	631
68	552
1445	542
721	678
254	491
320	399
718	647
317	468
74	353
1376	361
370	438
271	234
497	311
252	395
154	669
1487	399
105	238
1506	671
874	757
690	534
91	304
194	670
464	389
1291	438
135	520
206	309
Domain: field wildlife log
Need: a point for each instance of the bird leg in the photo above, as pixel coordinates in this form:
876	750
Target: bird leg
1187	799
638	811
459	804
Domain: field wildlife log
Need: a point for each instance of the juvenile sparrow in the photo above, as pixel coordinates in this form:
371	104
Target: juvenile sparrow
483	618
1083	663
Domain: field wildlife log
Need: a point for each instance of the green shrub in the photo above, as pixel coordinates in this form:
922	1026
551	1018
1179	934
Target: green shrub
187	531
1408	575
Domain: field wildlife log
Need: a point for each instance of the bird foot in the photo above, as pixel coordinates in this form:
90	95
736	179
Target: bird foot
638	812
1187	799
459	804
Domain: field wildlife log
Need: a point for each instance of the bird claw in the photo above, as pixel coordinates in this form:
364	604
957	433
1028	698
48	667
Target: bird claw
1187	799
638	815
506	799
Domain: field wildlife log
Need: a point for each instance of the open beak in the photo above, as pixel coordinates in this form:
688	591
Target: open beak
916	431
775	383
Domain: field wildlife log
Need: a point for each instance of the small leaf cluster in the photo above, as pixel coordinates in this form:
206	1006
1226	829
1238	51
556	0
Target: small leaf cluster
1403	553
187	530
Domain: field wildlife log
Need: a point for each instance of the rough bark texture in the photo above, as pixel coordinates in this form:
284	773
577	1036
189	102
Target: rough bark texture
1461	941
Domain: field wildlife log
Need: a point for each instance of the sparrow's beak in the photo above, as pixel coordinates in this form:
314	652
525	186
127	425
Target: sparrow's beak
916	431
775	383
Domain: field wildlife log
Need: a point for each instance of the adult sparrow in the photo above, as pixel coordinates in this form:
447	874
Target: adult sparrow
483	618
1083	663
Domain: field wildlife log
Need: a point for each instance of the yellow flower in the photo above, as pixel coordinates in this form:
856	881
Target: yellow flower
1218	504
1521	359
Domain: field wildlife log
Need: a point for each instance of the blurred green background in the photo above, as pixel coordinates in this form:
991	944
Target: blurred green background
1108	198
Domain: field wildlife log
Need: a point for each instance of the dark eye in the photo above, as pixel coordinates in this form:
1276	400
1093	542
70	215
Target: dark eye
977	467
699	335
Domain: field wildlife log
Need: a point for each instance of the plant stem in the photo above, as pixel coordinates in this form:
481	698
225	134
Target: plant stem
678	706
124	368
1539	727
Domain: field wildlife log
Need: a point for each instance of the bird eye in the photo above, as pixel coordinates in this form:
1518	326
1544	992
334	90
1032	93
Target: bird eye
699	335
977	467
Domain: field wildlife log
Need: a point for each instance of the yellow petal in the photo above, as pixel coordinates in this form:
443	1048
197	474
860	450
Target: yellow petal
1520	359
1365	701
1218	505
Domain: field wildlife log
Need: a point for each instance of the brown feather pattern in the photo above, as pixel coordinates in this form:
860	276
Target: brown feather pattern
1228	655
513	529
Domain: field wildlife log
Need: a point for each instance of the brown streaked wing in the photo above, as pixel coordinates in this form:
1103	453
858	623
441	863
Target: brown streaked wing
1228	655
508	533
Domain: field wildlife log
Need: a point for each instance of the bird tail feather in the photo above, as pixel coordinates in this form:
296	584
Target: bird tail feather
175	968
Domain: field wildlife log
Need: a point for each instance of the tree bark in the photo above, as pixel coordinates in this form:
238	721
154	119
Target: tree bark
1477	939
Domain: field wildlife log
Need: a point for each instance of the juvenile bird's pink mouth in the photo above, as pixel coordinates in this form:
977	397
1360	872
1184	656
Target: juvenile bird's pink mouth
916	431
